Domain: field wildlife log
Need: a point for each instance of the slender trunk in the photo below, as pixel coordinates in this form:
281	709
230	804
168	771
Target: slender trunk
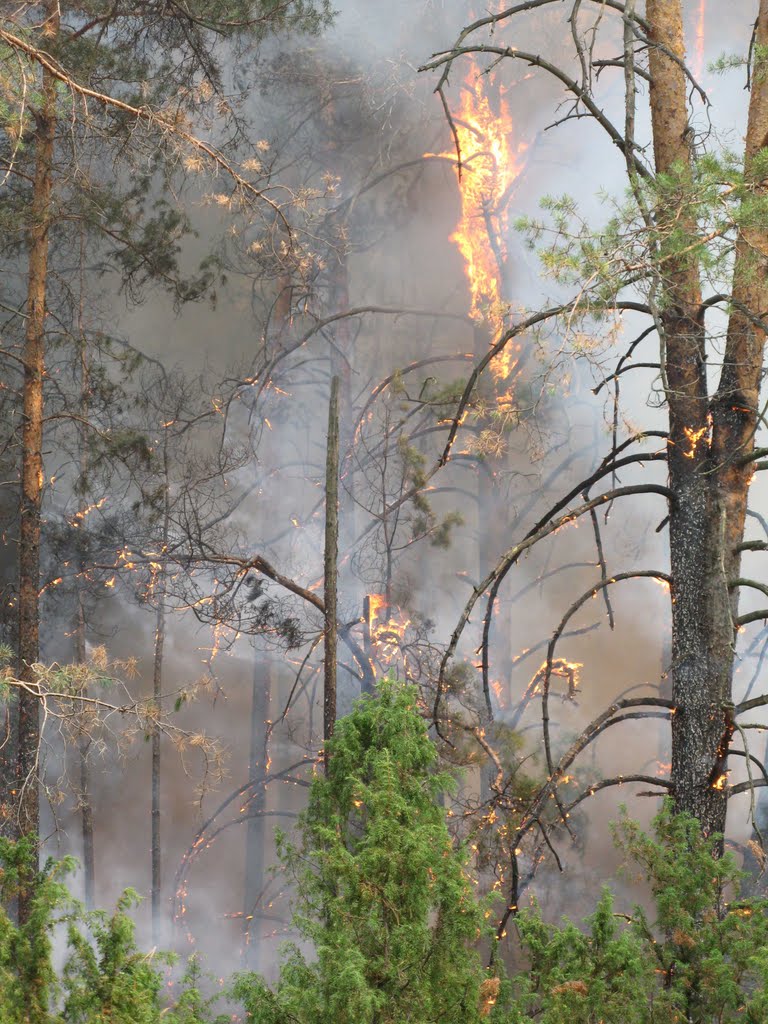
28	728
487	549
256	835
85	799
157	687
331	562
157	700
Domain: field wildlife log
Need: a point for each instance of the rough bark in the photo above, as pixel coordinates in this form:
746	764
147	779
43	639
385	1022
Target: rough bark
331	562
708	440
28	728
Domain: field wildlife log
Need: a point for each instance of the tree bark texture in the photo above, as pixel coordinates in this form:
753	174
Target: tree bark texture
28	729
708	439
331	562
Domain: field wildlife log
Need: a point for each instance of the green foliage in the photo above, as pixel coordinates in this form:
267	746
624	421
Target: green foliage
104	977
702	959
28	983
384	900
381	893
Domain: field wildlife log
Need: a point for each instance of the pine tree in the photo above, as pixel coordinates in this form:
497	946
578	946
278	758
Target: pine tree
381	892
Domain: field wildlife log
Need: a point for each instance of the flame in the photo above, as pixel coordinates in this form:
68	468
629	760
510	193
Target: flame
721	781
78	517
491	163
694	436
700	19
498	690
376	603
387	630
568	670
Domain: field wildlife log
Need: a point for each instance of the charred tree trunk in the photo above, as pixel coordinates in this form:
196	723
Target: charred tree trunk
331	562
256	835
709	443
28	728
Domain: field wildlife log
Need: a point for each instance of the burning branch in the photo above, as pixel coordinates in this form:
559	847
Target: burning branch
512	556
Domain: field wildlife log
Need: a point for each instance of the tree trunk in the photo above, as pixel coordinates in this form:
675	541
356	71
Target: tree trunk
157	699
256	835
28	728
331	562
707	473
85	801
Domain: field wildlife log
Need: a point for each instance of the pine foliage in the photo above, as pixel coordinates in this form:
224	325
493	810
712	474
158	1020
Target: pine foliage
702	958
382	895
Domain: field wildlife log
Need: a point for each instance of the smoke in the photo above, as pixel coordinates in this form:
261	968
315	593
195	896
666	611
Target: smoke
376	113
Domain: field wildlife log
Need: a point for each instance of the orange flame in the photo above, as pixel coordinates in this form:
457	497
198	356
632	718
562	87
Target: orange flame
700	19
721	781
491	163
386	630
694	436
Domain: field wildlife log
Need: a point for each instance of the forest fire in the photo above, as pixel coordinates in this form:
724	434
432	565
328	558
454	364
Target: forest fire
384	629
490	165
436	435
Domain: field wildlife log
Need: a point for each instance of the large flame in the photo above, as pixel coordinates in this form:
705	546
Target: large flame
491	162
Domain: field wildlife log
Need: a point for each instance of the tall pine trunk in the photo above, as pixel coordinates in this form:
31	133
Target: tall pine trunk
331	564
708	440
85	799
157	706
28	727
256	834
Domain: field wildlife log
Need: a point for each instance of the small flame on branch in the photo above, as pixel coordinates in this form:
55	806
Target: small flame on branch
79	516
721	781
